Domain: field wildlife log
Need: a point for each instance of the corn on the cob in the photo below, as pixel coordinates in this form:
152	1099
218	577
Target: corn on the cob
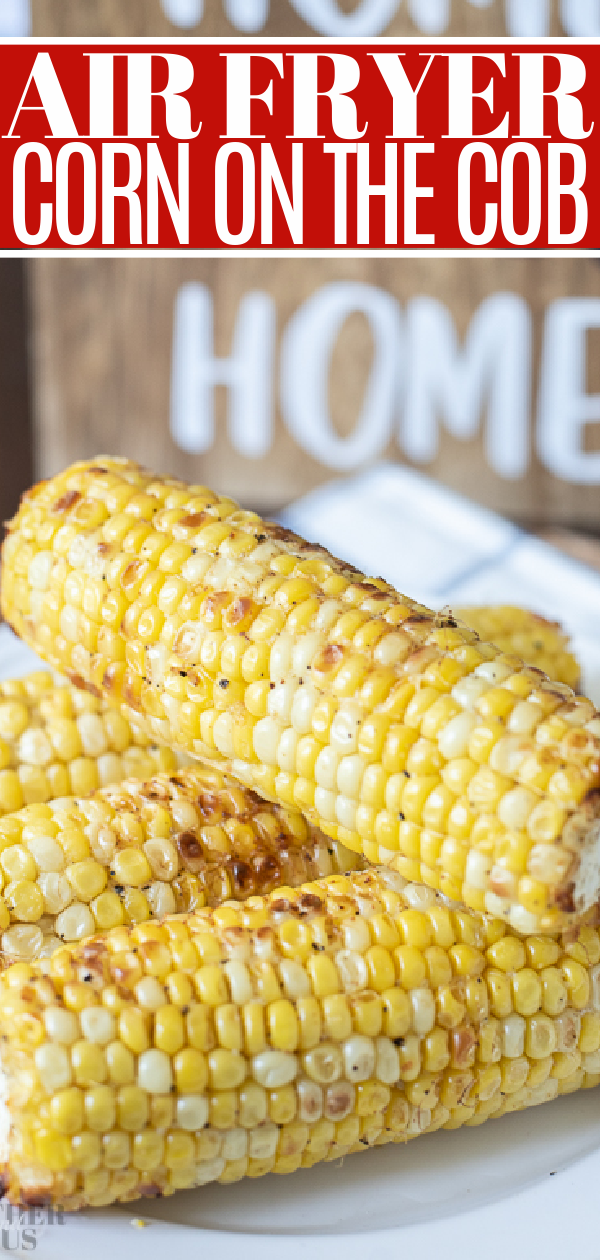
272	1035
56	740
72	867
392	728
538	641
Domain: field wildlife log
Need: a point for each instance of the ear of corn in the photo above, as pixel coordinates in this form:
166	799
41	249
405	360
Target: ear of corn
539	642
56	740
394	729
269	1036
72	867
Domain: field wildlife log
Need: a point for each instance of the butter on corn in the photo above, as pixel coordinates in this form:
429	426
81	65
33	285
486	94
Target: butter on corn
57	740
271	1035
394	729
72	867
537	640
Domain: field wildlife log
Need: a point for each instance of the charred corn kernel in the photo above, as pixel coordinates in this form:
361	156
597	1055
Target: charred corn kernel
144	849
381	690
114	1059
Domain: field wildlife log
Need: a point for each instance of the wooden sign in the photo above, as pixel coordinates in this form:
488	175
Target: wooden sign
264	377
524	18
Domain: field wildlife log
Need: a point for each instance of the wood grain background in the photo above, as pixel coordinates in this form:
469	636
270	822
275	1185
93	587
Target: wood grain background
146	17
101	353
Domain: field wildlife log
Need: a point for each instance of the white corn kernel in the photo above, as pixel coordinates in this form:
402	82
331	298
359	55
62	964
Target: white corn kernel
274	1068
359	1058
161	899
345	812
263	1141
208	1170
35	748
568	1028
324	1064
477	869
387	1064
40	568
453	740
22	940
280	700
53	1066
543	1093
591	1062
192	1112
500	907
523	921
310	1101
467	692
240	982
524	718
265	739
515	807
328	614
340	1101
304	651
61	1025
163	858
423	1005
503	882
92	734
393	648
149	993
286	750
154	1072
56	891
345	726
76	922
513	1036
98	1024
294	979
493	672
280	659
111	769
223	731
303	707
357	937
326	767
352	970
325	804
508	754
235	1144
548	863
47	853
350	774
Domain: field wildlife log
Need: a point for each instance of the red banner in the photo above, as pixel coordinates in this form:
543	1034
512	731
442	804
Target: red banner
306	144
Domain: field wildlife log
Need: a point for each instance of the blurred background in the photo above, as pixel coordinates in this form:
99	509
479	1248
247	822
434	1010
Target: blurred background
267	377
301	17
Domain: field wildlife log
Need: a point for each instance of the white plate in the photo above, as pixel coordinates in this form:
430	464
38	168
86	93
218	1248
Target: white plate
522	1188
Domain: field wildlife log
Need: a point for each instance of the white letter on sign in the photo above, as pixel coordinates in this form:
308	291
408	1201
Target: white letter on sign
448	382
564	406
306	351
247	373
53	105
